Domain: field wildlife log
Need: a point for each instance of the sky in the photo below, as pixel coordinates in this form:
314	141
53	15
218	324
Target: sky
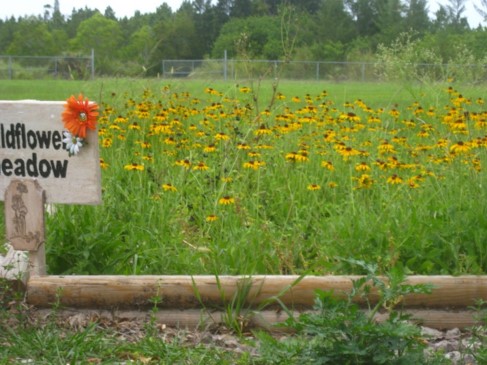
127	8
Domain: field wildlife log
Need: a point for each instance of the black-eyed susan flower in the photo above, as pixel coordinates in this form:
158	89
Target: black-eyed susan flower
460	147
221	136
201	166
134	167
327	165
243	146
120	119
211	218
348	151
394	113
209	148
313	187
184	163
103	164
362	166
300	156
226	200
263	130
459	126
134	126
254	164
413	183
394	179
145	144
169	187
364	181
386	147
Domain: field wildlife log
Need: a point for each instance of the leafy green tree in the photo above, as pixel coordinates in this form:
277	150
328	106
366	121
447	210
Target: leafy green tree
32	38
140	47
176	38
7	31
76	18
261	36
101	34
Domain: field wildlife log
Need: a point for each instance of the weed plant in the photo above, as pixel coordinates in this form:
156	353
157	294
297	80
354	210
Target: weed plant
196	181
338	331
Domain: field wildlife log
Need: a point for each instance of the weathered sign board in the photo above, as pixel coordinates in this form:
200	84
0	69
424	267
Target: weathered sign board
36	168
31	147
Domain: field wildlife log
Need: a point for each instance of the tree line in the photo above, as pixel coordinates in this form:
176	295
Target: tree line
324	30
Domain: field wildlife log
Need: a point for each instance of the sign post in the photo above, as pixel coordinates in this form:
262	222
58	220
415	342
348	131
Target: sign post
37	167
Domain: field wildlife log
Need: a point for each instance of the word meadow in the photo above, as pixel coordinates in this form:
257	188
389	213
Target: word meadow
19	137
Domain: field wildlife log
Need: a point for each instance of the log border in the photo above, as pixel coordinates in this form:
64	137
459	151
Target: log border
182	296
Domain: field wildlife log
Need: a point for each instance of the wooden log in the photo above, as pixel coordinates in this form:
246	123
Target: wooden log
182	292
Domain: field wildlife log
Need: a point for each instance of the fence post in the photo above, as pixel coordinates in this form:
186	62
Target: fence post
55	66
318	71
92	63
10	72
225	60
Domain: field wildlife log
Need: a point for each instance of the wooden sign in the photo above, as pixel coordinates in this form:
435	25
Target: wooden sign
24	215
32	147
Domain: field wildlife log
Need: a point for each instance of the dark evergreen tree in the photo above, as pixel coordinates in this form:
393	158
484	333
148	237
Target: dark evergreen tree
451	16
416	17
365	14
241	8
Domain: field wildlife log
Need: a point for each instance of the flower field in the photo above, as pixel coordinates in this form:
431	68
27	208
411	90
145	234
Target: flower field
212	182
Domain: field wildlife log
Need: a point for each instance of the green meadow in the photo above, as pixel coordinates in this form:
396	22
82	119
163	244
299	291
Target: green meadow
213	177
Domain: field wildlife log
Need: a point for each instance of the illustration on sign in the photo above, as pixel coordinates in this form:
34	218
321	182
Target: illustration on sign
20	211
24	213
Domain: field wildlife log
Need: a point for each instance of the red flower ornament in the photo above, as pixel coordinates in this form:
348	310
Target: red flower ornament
79	115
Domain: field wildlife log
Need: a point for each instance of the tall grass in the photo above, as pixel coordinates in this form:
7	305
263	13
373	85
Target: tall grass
201	178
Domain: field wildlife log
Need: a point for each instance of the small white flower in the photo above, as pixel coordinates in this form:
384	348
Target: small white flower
73	144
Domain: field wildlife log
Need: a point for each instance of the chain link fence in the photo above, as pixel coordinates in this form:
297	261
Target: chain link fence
232	69
47	67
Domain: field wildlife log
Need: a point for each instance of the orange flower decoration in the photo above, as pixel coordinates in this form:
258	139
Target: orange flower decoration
79	114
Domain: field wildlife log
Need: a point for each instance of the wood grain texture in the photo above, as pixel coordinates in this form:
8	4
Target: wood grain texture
180	291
